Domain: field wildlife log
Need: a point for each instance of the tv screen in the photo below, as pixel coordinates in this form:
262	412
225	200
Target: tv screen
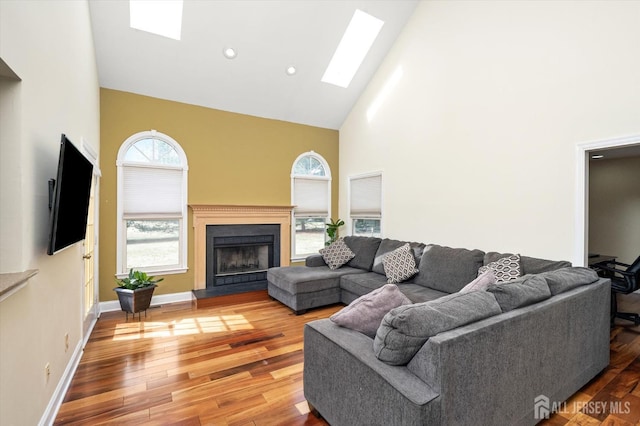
70	198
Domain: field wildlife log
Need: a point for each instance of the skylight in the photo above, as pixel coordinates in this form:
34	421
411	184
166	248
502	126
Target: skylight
354	46
161	17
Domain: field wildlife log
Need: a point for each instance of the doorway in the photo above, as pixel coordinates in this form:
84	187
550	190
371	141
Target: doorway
618	148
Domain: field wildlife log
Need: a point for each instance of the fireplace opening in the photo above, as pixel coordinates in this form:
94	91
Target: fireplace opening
238	257
241	259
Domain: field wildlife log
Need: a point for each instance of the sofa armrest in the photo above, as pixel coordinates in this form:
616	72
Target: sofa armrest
348	385
551	348
314	260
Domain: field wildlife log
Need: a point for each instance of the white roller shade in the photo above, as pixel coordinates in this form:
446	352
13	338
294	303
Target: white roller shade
152	190
366	196
311	197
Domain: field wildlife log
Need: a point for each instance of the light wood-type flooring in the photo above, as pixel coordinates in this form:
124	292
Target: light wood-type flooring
241	364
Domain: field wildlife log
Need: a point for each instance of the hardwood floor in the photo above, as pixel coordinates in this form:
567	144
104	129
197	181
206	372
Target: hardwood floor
241	364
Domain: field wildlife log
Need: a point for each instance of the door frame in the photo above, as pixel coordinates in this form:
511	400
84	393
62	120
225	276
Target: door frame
582	190
89	319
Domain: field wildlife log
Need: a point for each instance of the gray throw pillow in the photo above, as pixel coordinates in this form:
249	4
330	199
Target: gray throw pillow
448	269
405	329
566	279
365	251
524	291
365	313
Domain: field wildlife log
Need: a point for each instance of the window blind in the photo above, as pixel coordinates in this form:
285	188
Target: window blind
311	197
366	196
152	190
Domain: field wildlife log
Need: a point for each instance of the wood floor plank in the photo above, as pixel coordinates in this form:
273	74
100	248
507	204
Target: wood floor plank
241	364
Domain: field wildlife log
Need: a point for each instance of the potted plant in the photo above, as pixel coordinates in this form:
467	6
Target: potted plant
135	291
332	230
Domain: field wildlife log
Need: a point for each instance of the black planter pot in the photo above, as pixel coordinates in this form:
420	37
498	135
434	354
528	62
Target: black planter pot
134	301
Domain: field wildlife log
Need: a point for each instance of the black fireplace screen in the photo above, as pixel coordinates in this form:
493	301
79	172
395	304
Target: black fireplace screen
238	256
241	259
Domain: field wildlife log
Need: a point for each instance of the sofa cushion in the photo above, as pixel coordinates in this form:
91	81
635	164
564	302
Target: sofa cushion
314	260
405	329
399	265
337	254
529	265
365	249
365	313
524	291
448	269
504	269
483	281
566	279
387	245
360	284
418	294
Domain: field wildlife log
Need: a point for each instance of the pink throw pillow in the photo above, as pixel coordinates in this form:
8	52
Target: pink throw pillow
483	281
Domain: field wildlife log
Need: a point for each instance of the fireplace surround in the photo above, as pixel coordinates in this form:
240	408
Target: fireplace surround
207	215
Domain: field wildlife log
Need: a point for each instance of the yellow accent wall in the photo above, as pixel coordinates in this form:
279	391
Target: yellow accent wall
233	159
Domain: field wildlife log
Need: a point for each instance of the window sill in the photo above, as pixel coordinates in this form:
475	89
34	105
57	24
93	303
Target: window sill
154	272
12	282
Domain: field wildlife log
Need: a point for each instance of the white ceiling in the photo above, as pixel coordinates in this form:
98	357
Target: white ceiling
268	35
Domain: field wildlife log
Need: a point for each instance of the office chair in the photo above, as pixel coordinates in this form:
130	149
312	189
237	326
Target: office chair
624	280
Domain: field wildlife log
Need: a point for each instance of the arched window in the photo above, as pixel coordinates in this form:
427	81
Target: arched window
152	204
311	198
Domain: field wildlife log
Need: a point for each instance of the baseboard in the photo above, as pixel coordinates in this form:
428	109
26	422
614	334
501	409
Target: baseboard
49	415
114	305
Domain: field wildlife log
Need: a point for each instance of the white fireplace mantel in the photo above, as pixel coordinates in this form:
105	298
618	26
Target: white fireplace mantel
208	214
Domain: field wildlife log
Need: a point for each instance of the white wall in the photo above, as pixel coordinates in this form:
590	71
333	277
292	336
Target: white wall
614	208
49	45
477	139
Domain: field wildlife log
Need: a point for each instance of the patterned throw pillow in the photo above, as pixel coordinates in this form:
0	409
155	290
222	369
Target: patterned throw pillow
505	269
399	264
337	254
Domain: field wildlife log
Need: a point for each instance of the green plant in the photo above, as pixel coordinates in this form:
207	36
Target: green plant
332	230
137	279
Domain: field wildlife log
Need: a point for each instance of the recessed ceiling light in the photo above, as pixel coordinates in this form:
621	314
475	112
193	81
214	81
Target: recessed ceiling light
158	17
291	70
229	52
354	46
597	156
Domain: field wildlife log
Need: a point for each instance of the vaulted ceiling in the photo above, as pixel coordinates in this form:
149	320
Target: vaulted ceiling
268	35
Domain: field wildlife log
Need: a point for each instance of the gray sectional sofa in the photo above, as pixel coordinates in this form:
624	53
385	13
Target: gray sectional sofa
452	358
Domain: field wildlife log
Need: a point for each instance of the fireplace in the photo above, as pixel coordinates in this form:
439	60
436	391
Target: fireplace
238	256
206	292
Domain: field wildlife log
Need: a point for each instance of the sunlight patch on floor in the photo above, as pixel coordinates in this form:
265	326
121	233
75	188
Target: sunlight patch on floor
184	327
303	407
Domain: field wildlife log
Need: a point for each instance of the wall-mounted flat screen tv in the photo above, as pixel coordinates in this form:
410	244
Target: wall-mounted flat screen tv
69	198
